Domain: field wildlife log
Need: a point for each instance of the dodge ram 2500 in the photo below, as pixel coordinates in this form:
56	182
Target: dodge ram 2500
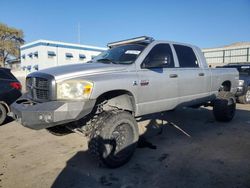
132	78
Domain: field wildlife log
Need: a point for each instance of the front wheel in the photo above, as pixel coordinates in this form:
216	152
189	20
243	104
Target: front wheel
114	138
224	107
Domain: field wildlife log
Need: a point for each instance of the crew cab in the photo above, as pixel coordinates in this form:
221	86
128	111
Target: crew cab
133	78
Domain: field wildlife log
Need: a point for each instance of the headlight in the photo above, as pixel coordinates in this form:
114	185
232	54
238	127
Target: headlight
74	89
241	82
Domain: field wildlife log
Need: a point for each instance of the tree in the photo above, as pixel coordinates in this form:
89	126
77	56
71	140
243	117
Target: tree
10	41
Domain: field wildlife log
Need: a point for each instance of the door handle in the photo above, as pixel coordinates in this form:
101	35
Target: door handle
173	76
201	74
144	82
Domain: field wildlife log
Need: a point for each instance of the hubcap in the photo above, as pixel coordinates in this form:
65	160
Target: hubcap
248	96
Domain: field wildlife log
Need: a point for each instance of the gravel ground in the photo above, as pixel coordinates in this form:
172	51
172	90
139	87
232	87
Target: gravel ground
216	155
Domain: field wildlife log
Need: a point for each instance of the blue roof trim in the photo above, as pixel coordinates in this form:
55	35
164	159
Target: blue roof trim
61	46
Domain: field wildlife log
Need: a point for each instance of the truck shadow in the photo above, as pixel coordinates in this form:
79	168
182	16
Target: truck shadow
7	120
174	159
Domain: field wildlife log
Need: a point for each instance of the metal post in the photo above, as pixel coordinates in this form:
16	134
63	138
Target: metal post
223	60
56	55
247	54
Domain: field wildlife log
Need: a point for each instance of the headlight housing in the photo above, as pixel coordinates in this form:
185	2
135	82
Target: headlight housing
74	90
241	82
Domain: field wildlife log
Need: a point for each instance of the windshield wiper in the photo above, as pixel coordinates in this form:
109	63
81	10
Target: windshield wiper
106	60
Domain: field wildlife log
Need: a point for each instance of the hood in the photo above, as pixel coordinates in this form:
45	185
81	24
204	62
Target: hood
83	69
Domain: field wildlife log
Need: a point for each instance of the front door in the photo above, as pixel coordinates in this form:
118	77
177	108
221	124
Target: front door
158	81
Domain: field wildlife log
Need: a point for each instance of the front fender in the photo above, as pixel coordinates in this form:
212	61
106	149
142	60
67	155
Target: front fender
123	102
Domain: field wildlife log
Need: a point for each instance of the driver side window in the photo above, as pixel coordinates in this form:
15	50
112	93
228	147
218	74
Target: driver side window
160	56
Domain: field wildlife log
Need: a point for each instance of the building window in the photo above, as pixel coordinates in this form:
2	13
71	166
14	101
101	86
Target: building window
29	67
23	56
36	54
30	55
35	67
69	55
82	56
51	54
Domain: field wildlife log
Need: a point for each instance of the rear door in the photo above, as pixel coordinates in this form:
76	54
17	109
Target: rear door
157	87
5	80
194	80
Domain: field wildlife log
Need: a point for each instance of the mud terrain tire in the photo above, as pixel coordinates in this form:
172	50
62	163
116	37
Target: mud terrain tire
114	138
224	107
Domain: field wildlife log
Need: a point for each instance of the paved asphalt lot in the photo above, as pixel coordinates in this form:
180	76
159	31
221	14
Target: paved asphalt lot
216	155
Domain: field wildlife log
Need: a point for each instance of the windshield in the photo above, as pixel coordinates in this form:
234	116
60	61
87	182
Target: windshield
243	70
125	54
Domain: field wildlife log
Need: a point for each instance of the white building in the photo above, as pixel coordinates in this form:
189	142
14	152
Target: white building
235	53
43	54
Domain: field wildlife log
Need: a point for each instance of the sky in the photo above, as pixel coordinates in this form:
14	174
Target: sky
209	23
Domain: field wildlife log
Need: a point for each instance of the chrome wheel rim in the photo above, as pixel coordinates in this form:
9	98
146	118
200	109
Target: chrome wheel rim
248	96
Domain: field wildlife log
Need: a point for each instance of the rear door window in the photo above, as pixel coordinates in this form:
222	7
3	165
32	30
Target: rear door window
186	56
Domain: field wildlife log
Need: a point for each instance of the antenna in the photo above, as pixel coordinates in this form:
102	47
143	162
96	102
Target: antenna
79	33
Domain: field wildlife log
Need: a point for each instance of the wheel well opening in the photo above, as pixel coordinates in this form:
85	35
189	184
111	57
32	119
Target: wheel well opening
226	86
113	94
5	106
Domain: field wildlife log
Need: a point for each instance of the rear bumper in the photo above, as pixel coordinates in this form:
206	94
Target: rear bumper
48	114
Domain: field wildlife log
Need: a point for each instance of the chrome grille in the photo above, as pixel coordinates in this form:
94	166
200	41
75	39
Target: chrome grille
28	82
42	94
38	88
28	86
41	83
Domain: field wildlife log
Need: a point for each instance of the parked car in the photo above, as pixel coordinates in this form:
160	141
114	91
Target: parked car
133	78
243	90
10	90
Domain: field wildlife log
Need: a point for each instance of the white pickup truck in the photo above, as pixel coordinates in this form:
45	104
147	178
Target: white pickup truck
132	78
